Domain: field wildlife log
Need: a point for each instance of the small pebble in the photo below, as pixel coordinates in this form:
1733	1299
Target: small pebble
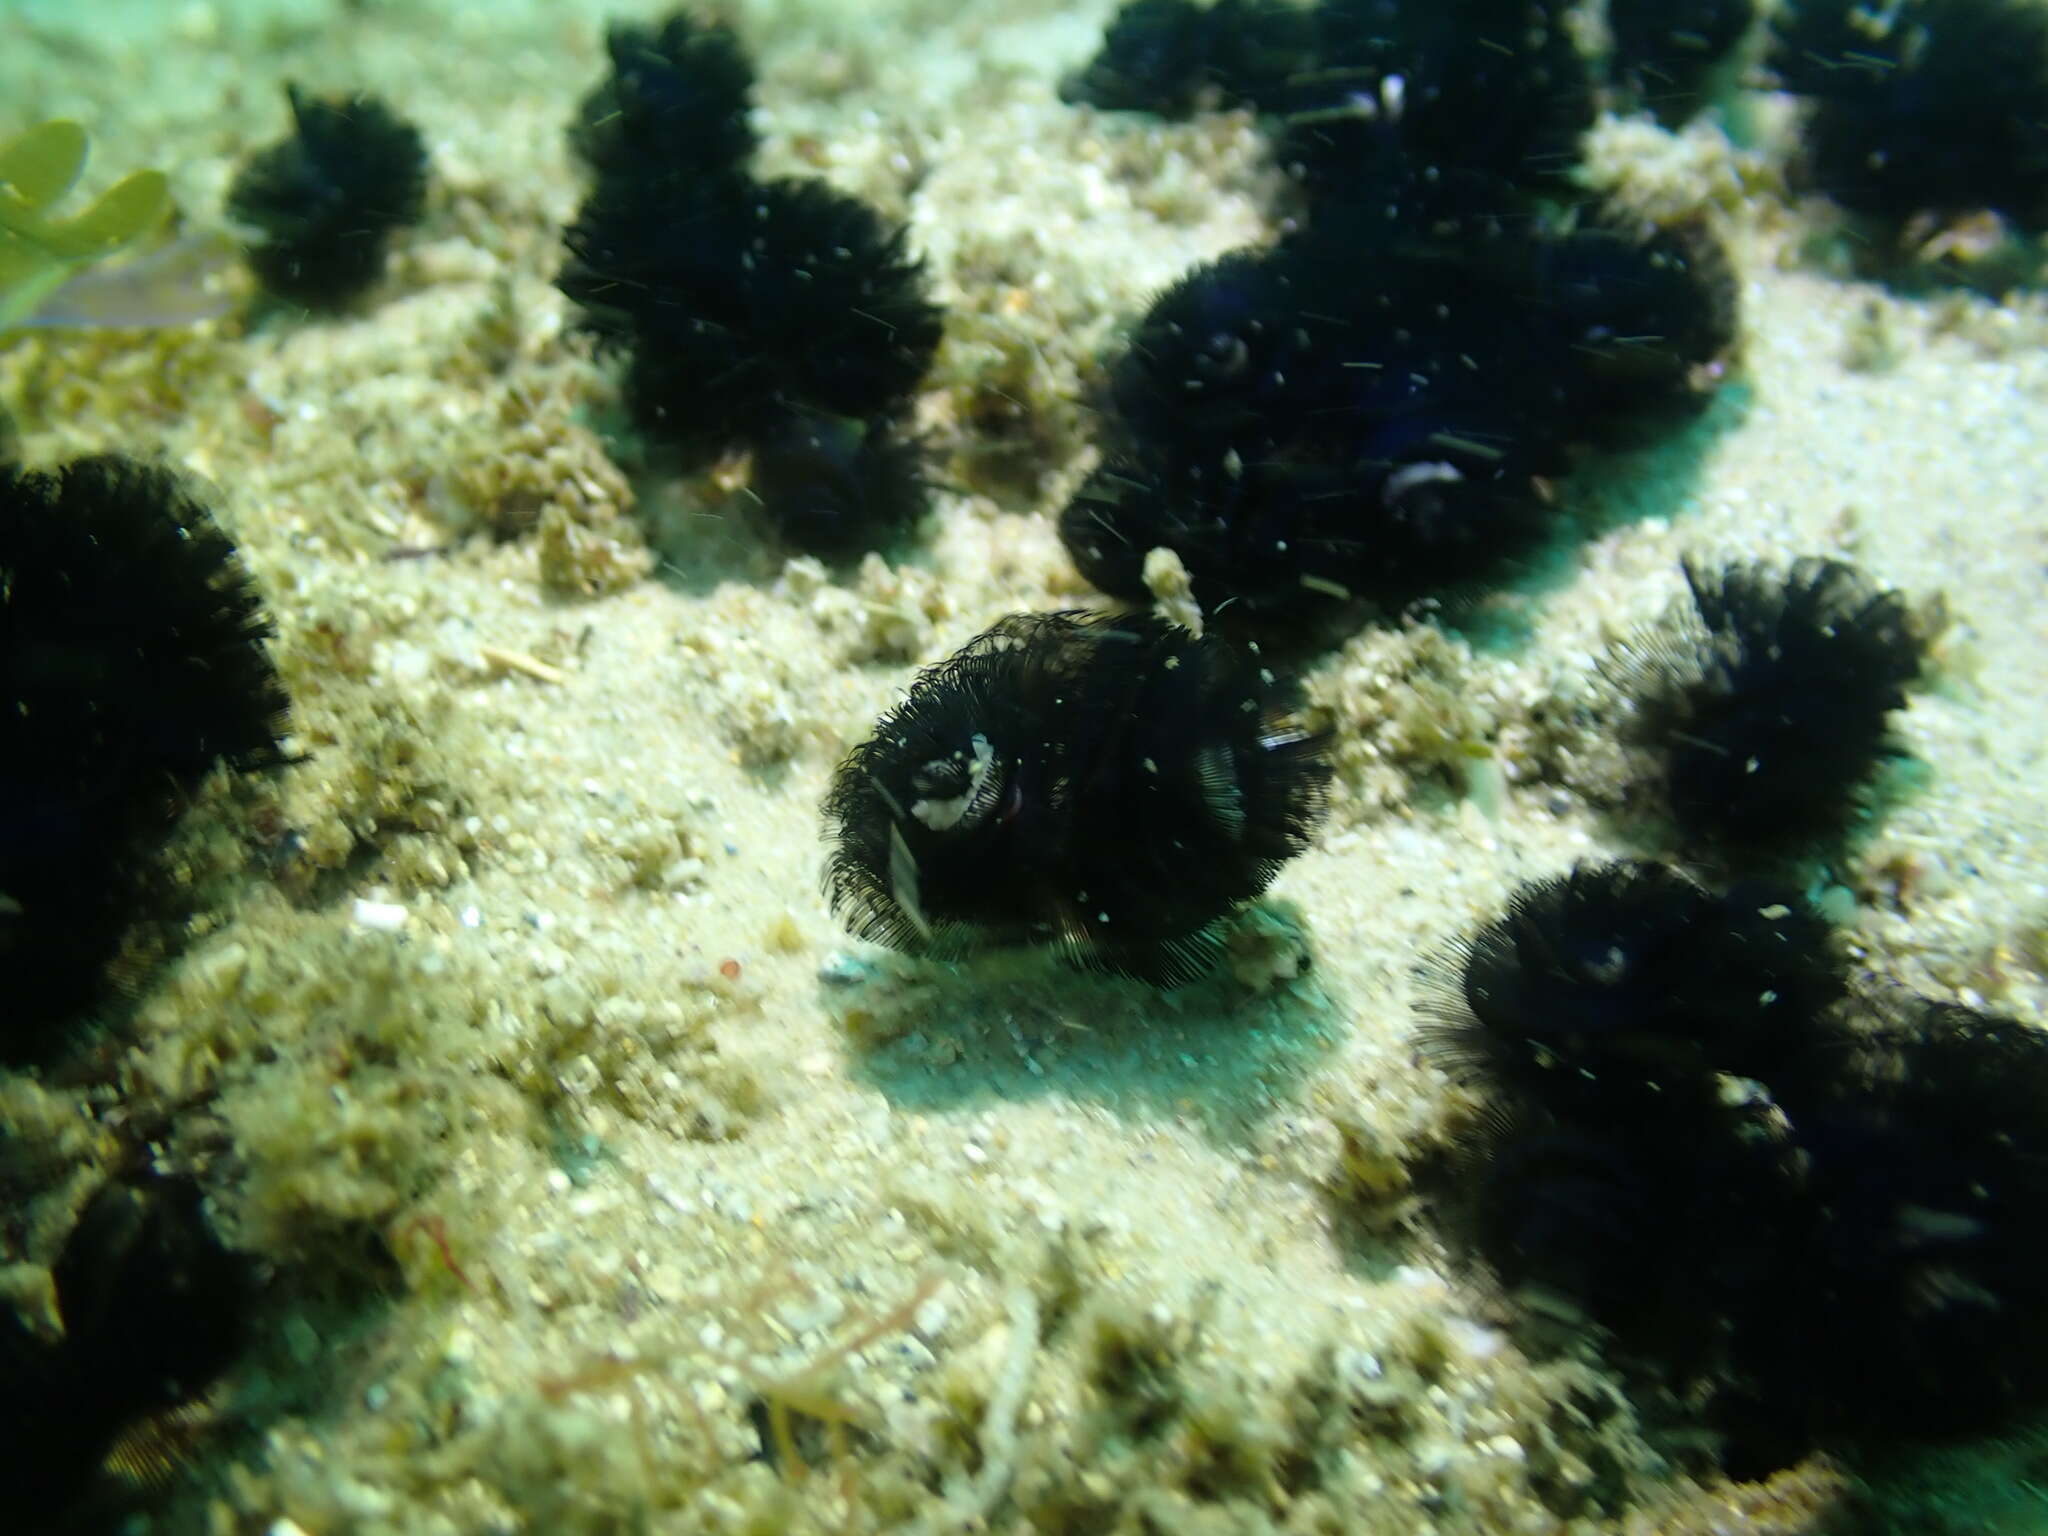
381	916
840	970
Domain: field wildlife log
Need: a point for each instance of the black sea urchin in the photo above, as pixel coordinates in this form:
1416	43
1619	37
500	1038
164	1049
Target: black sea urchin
736	300
1816	1211
1665	1233
131	662
674	107
1376	101
1609	992
1933	108
327	198
1112	785
1172	57
1668	52
1639	322
1493	88
1298	429
1625	1026
1770	712
154	1309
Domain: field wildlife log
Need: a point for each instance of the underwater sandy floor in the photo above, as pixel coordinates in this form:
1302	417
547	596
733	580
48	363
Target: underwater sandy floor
511	1027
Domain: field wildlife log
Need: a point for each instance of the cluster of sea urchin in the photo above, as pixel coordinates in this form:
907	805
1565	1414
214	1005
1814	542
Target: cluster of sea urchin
1348	416
1362	92
1817	1208
1112	785
1378	407
1503	83
782	317
1697	1135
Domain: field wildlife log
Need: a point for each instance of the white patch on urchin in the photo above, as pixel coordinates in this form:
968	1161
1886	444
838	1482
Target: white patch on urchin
943	815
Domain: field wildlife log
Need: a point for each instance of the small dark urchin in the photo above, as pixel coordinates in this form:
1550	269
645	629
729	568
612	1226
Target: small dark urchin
1770	711
1922	107
1605	992
327	198
1668	52
739	299
674	105
1111	785
154	1309
1173	57
836	485
131	663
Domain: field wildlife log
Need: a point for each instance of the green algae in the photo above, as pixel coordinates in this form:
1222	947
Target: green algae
41	250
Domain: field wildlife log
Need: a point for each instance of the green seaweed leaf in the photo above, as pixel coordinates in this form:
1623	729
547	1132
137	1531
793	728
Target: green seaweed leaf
38	250
43	164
